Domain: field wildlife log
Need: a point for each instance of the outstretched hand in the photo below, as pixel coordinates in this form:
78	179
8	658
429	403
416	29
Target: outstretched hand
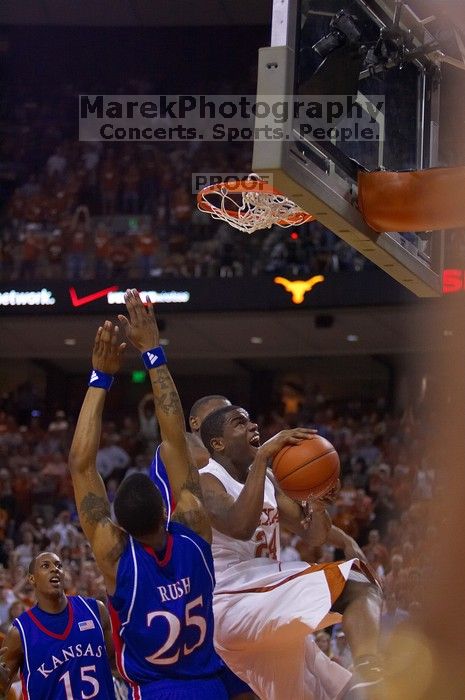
108	352
141	327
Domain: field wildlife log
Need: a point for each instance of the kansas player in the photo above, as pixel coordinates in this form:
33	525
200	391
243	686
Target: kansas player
159	576
59	646
235	687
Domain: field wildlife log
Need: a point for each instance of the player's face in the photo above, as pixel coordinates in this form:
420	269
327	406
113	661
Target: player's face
240	436
48	577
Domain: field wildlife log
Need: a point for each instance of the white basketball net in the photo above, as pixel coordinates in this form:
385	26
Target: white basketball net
252	210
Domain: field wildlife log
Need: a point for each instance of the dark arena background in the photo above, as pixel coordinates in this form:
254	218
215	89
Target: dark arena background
357	355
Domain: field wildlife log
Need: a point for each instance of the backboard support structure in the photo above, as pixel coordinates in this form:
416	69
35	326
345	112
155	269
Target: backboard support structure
323	184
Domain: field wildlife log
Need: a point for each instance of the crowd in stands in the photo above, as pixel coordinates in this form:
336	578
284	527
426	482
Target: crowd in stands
95	211
387	483
84	210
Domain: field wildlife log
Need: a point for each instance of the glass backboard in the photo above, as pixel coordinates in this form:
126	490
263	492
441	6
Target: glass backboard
373	52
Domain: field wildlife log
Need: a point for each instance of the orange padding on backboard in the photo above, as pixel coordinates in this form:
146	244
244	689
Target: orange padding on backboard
421	200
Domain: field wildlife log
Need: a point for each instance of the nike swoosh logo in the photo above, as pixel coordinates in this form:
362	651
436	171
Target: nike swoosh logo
76	301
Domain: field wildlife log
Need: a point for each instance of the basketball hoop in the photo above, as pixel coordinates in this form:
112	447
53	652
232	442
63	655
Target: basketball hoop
250	205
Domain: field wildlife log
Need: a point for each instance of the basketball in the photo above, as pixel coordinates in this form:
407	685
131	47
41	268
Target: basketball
309	469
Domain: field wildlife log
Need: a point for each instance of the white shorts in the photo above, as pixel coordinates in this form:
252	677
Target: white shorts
264	614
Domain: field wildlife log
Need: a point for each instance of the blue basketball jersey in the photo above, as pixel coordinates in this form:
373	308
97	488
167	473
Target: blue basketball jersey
159	476
234	685
162	616
64	653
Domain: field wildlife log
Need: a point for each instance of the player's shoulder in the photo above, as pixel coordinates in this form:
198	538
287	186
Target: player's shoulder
83	600
211	466
214	475
182	534
25	616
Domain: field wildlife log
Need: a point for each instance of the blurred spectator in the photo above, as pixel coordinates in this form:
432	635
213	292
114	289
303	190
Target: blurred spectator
29	253
146	247
24	590
23	483
141	465
362	512
111	457
131	181
129	434
392	615
7	597
375	552
340	649
102	253
288	551
56	164
76	260
59	424
148	419
391	581
55	254
323	642
7	255
359	476
109	184
64	529
23	553
14	610
120	255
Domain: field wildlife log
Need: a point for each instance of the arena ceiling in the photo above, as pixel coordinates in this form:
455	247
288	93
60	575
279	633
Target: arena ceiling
146	13
200	342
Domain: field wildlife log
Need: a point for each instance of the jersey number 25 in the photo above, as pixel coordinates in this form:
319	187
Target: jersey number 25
175	628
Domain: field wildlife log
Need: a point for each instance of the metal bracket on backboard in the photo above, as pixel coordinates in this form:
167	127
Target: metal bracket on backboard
303	173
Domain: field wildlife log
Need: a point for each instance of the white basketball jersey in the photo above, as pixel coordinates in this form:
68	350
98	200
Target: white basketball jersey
265	543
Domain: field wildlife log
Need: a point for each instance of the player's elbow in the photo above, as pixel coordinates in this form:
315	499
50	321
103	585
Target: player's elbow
75	463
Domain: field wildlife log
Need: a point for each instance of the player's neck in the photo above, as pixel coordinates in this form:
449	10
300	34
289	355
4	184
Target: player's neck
157	541
52	604
238	471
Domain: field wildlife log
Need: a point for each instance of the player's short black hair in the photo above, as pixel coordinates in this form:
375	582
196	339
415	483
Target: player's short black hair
213	425
202	401
138	505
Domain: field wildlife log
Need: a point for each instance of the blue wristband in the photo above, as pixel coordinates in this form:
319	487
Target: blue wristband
100	380
154	357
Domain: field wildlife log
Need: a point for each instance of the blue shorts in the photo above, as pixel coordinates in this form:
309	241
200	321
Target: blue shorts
199	689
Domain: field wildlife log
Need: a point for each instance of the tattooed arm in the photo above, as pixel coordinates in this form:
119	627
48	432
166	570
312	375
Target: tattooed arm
106	539
141	329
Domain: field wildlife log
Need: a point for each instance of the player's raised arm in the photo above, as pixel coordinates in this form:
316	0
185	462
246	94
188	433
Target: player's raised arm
106	539
142	331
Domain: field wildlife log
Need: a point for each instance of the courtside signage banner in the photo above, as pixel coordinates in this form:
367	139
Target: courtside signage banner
212	294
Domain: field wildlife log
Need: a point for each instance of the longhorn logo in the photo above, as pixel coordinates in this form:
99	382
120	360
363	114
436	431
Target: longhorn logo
299	288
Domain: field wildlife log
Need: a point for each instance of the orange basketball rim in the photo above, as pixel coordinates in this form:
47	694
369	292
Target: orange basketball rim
250	204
